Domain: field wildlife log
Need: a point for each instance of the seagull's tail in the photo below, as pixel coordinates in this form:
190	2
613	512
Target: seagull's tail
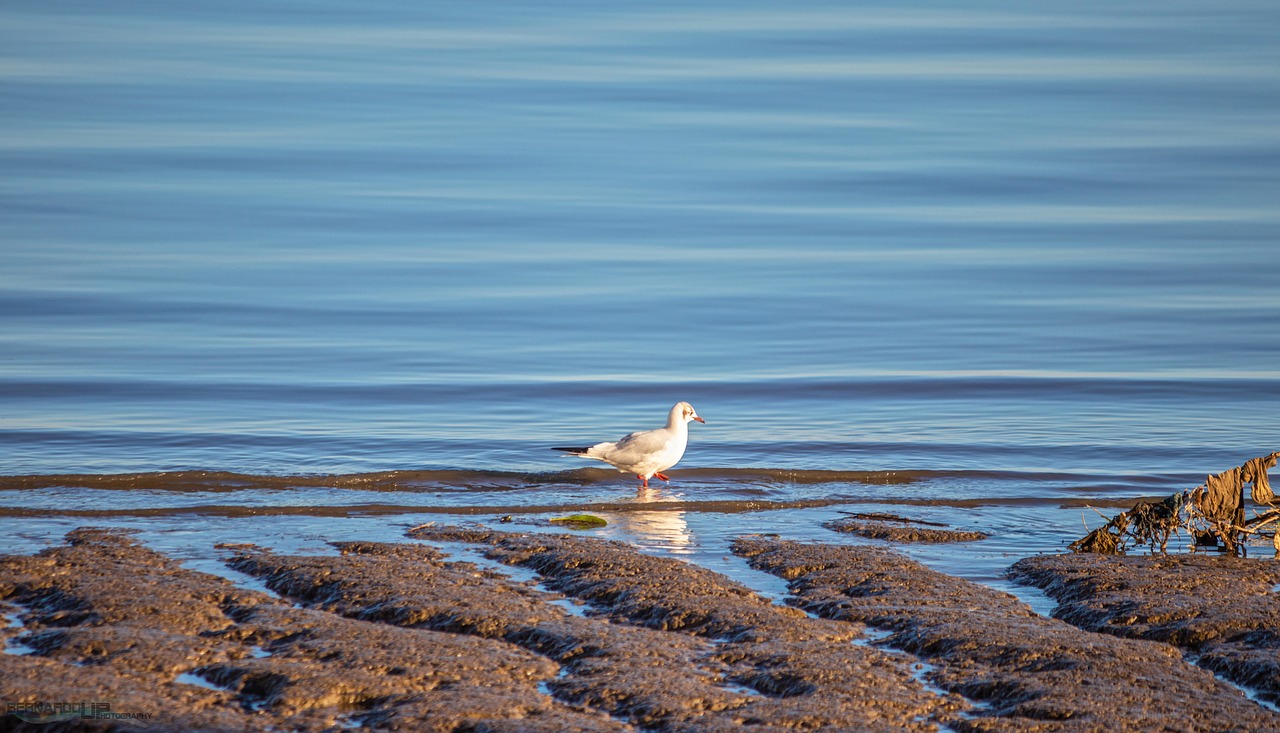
575	451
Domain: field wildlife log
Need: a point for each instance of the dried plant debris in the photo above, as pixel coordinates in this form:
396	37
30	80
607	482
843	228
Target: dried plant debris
893	528
1224	610
1212	513
1033	673
1147	523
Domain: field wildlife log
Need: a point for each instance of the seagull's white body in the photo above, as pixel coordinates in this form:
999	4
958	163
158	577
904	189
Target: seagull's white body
646	453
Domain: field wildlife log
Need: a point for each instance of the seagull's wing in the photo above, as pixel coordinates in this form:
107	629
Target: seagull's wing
641	443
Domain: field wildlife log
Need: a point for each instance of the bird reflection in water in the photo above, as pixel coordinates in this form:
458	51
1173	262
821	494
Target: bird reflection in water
661	528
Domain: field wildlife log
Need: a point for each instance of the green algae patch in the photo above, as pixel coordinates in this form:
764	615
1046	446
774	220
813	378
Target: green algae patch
580	521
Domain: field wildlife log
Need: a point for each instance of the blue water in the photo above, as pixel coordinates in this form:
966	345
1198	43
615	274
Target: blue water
1031	249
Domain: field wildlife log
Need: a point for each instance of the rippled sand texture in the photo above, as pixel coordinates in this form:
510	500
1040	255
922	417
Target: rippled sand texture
400	635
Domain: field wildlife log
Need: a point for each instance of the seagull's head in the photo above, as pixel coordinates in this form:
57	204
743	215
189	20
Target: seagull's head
686	412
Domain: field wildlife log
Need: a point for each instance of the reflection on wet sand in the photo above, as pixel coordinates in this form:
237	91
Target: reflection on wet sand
663	528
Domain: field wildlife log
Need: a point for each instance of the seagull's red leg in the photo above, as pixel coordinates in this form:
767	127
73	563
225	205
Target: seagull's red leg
644	482
662	476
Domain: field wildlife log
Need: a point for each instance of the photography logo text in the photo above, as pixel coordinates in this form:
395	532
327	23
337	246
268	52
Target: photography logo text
52	712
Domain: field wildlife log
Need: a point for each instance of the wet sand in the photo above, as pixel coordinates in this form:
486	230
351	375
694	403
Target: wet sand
891	527
1222	611
547	632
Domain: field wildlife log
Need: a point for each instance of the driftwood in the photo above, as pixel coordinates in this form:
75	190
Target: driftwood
1212	513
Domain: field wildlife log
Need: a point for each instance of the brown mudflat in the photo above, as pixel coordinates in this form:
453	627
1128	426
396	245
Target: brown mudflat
1223	609
1033	673
893	528
112	621
667	645
398	636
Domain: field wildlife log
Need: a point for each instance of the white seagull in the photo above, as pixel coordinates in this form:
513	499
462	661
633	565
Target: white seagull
649	452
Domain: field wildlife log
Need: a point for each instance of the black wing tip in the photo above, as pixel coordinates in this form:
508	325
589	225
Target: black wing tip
575	451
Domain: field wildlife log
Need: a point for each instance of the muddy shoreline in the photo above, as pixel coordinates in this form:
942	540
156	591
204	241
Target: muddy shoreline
545	632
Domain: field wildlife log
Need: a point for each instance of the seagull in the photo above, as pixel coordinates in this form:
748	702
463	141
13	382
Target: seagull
646	453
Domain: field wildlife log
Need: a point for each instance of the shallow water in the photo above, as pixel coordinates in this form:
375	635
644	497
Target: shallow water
1022	257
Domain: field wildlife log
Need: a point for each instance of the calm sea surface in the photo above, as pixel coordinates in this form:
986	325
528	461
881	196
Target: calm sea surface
980	251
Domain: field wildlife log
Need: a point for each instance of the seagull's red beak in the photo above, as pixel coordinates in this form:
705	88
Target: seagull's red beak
695	417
